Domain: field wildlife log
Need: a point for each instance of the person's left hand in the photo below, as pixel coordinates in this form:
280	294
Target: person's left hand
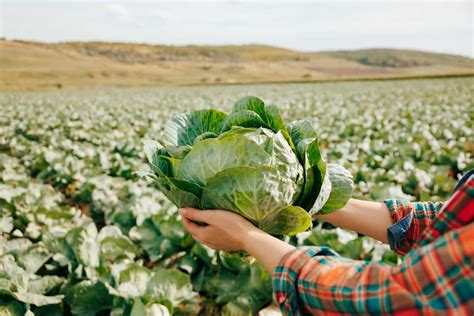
225	230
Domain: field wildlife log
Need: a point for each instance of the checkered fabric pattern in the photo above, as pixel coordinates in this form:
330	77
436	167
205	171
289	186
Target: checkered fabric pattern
434	278
410	221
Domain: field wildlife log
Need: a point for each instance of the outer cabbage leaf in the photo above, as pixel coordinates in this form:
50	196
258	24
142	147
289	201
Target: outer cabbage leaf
89	298
34	258
203	136
258	135
180	192
210	156
45	284
38	299
12	308
250	103
323	195
316	187
259	194
173	190
244	118
151	309
179	152
155	243
300	130
114	245
154	149
151	147
166	166
84	244
289	220
285	160
342	186
243	292
269	114
133	281
183	129
170	285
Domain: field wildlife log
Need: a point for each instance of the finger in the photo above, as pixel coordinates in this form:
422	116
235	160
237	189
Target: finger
205	243
205	235
197	215
195	229
185	222
212	246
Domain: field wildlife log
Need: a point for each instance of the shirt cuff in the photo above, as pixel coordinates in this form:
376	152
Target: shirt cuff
286	276
401	212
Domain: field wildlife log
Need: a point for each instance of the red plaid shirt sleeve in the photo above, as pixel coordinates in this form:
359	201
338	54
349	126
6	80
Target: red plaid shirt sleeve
436	278
410	219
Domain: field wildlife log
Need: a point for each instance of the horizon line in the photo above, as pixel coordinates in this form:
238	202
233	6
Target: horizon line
239	44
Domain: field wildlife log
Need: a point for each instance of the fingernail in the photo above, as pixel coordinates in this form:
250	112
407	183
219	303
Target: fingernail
183	211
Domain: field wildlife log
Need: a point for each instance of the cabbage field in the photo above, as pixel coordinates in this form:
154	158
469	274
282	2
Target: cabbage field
83	233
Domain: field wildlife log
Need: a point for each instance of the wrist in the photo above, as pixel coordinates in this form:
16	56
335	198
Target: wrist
249	237
335	214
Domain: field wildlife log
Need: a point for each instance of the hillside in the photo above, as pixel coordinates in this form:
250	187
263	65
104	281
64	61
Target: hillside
34	66
394	58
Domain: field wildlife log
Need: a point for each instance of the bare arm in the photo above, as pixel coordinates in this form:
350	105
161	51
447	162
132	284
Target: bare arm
267	249
369	218
229	231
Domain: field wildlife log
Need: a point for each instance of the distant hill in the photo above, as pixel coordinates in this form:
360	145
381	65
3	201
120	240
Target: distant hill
397	58
32	65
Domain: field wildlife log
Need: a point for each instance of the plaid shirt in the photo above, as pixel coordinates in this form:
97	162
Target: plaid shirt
435	276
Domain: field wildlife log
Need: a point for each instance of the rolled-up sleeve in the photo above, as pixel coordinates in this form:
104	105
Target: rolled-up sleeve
315	280
410	219
434	279
287	274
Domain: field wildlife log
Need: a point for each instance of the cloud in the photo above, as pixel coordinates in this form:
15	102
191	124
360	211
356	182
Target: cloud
119	12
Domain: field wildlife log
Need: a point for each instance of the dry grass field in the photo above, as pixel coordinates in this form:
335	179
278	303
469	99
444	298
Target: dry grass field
37	66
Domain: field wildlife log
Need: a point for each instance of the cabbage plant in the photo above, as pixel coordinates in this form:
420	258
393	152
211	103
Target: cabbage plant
249	162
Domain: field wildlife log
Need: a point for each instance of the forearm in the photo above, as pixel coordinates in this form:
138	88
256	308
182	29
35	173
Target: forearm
267	249
369	218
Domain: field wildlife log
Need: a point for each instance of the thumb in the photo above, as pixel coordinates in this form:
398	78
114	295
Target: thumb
196	215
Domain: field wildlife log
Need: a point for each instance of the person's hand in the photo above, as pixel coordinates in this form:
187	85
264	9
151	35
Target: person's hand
229	231
225	230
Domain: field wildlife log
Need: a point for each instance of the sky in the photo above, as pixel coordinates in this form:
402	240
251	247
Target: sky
440	26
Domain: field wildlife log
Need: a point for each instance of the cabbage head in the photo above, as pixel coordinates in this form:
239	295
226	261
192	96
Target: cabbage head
249	162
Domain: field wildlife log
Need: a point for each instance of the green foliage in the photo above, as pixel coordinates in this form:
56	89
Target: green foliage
75	216
341	188
89	298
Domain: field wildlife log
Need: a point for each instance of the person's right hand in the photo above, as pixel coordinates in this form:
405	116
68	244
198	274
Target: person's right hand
229	231
225	230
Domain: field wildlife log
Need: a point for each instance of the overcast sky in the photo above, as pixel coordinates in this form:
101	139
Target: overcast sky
442	26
